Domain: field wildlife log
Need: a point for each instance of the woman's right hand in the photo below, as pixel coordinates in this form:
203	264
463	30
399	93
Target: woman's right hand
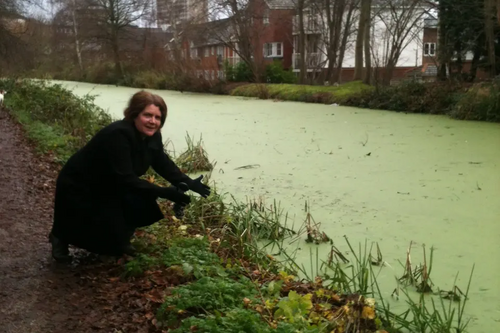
173	194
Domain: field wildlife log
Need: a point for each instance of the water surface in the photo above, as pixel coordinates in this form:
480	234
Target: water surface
383	176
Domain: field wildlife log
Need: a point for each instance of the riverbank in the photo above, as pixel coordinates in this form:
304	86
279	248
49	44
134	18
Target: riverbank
479	102
212	227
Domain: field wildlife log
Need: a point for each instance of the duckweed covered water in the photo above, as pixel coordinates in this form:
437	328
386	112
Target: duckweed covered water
383	176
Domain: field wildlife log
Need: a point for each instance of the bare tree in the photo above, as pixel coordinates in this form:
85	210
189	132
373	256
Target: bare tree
112	19
402	22
366	41
364	19
337	22
69	15
241	34
15	32
489	28
301	5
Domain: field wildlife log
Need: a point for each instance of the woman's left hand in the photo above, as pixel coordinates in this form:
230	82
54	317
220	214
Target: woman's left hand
200	188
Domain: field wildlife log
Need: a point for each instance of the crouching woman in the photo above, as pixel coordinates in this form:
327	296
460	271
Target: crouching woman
100	199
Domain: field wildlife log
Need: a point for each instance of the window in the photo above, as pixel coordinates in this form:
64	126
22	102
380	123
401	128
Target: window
220	50
265	18
207	52
268	50
429	49
220	75
213	75
273	50
213	50
312	23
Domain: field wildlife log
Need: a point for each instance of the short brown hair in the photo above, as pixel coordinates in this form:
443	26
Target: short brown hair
140	100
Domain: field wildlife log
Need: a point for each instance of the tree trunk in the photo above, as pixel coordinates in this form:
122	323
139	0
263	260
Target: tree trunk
302	43
334	19
343	44
330	26
77	40
358	62
489	17
116	55
368	62
478	53
442	41
389	70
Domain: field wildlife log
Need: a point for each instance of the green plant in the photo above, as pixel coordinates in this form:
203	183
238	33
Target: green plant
54	117
194	256
195	158
139	264
408	96
234	321
206	295
481	102
294	307
240	72
276	74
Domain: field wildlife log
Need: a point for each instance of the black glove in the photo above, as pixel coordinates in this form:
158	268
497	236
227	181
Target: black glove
197	186
173	194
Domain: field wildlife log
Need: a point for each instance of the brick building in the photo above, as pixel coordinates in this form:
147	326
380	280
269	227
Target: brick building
269	25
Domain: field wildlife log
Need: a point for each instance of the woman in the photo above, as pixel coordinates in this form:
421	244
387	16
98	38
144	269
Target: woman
100	199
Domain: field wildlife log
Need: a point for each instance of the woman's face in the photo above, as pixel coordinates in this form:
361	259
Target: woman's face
149	120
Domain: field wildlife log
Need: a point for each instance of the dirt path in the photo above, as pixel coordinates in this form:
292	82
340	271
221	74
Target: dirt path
36	295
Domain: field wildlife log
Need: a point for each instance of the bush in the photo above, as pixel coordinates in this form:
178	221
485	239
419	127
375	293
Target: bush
148	80
481	102
54	117
276	74
241	72
409	96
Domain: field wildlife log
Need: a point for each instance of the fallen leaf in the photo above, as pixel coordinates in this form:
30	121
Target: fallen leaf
368	313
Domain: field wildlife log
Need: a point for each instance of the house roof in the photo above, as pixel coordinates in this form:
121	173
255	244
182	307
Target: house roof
281	4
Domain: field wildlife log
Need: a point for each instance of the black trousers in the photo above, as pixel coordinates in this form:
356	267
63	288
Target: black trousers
140	211
107	234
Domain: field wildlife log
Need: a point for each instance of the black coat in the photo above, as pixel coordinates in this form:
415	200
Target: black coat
100	198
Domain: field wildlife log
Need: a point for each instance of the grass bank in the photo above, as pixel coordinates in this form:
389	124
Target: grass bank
56	119
209	271
303	93
479	102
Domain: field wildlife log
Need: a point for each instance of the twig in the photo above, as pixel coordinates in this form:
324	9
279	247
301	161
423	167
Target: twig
249	166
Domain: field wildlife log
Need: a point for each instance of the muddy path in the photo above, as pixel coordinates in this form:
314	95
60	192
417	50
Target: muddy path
36	294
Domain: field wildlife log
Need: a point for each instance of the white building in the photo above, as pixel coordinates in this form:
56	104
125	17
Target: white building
386	34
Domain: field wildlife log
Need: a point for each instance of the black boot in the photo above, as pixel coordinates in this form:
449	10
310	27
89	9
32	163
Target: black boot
60	251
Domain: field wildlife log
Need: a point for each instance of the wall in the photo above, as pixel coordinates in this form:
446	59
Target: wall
279	29
399	73
430	36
